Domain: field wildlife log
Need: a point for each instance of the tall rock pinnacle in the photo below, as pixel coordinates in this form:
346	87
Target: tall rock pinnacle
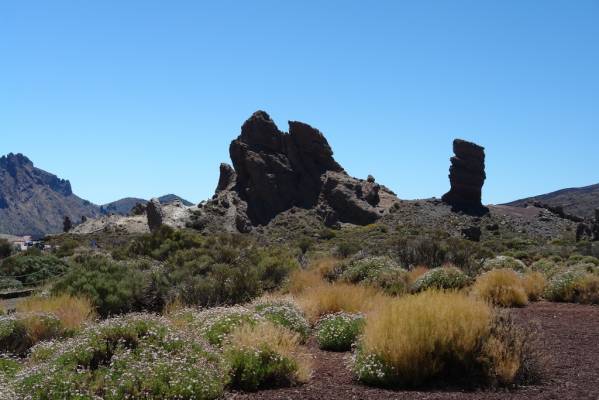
466	176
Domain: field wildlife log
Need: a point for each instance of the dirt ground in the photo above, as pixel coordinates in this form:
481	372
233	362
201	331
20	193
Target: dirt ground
571	337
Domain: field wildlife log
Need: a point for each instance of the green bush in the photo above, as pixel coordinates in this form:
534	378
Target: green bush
339	331
215	324
8	367
253	369
547	266
215	270
573	286
32	269
285	314
10	283
66	247
113	287
19	332
502	262
381	272
138	356
447	278
6	248
346	249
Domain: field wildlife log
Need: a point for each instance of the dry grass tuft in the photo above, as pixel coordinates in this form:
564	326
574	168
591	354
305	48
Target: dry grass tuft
301	280
501	287
534	284
416	273
325	266
418	336
71	311
326	298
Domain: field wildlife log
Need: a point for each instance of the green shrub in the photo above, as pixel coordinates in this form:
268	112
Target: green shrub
447	278
6	248
252	369
339	331
138	356
19	332
346	249
32	269
10	283
215	324
8	366
286	314
547	266
573	286
502	262
265	355
381	272
113	287
66	247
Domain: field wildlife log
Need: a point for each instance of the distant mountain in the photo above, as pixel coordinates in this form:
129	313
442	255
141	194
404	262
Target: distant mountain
124	206
580	201
35	202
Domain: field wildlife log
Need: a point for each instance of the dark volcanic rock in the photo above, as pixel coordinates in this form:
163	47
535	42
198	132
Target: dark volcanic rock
227	178
277	170
154	214
466	176
347	199
274	171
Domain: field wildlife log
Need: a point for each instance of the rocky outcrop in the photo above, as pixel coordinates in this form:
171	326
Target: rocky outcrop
154	214
466	176
227	178
589	230
275	171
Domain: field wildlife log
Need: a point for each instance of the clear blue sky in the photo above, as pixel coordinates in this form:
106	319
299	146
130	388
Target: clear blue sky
141	98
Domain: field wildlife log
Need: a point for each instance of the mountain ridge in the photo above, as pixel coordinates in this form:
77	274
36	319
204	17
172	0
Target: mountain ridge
579	201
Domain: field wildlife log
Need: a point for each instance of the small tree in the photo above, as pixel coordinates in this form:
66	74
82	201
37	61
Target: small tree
5	248
67	225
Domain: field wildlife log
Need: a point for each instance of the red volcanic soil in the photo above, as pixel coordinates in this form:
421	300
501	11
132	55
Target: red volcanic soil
570	333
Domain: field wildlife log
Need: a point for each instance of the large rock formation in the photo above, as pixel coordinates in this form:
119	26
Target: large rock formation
466	176
274	171
35	202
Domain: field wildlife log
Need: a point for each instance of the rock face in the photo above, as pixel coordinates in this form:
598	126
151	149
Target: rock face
466	176
154	214
274	171
589	230
35	202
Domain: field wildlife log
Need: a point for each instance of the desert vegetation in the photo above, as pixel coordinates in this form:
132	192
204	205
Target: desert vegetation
179	315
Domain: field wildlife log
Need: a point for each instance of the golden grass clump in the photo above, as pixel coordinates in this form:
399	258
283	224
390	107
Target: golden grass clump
534	284
501	287
325	266
326	298
301	280
278	339
416	273
71	311
419	335
587	288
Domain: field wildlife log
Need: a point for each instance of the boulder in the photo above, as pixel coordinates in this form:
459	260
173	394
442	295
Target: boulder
466	177
154	214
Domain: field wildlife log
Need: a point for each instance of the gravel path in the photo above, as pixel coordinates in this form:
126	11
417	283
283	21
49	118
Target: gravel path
571	335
